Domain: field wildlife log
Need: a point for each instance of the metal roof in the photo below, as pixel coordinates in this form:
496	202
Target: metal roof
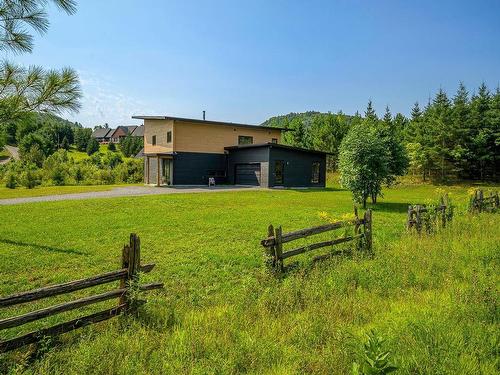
207	122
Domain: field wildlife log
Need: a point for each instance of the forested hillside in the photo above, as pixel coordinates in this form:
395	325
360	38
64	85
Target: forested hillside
450	138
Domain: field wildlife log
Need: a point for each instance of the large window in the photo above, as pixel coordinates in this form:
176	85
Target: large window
169	136
245	140
315	172
279	167
153	140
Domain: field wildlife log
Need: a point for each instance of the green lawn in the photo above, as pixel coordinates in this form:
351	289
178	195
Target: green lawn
79	155
21	192
434	299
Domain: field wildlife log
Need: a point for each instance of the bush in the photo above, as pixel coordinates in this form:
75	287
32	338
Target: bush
92	146
111	147
11	180
30	176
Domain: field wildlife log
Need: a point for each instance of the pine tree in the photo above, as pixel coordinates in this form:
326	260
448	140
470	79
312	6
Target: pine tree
480	105
460	151
370	112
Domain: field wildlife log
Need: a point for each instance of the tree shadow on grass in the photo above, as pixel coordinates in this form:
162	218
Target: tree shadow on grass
43	247
316	190
389	207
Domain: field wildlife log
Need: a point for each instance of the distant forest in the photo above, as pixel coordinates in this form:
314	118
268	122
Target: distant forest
448	139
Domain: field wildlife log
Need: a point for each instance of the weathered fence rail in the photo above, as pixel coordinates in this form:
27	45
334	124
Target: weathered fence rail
276	238
128	276
422	217
479	203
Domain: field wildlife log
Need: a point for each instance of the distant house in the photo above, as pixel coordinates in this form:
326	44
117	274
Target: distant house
106	135
121	132
102	135
182	151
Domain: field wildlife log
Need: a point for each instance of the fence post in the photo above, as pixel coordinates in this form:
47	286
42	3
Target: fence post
271	261
367	229
442	208
409	219
131	259
418	218
278	248
481	203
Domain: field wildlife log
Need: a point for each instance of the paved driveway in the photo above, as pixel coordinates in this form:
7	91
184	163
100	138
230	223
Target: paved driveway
14	154
127	191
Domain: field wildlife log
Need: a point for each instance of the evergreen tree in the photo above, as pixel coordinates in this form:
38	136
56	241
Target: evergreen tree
370	112
92	146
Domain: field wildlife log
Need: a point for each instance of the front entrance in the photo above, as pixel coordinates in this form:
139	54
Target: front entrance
166	172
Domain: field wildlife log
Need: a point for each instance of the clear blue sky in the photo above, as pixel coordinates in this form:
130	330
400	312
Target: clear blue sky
245	61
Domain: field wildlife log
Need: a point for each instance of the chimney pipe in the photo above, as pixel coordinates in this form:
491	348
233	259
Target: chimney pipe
203	115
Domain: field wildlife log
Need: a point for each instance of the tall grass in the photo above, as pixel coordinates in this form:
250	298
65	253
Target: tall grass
433	298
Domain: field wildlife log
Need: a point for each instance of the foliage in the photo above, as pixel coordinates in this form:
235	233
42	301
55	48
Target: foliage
92	146
130	146
375	359
61	169
364	162
11	179
82	138
458	138
111	147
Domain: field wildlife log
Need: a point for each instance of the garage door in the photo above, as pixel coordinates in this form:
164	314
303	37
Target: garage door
248	174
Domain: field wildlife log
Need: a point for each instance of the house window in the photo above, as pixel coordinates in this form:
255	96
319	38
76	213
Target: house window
245	140
279	166
153	140
169	136
315	172
274	140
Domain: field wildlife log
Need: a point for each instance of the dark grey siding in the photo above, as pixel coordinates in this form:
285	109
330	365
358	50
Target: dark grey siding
245	156
297	168
192	168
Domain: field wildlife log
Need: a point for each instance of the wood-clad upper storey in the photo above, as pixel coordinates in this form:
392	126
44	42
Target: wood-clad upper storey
156	131
200	136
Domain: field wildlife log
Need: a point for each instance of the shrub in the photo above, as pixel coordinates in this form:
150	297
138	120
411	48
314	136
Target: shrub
30	176
111	147
92	146
11	180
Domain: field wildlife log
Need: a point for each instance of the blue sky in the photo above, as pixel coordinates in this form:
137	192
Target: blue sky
245	61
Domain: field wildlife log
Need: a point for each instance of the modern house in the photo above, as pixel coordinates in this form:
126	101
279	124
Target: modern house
106	135
183	151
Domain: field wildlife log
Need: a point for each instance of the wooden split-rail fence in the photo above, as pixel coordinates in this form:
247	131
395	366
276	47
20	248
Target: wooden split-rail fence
479	203
273	244
128	276
422	217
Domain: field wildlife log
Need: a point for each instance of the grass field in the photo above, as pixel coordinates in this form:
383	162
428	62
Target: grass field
434	299
39	191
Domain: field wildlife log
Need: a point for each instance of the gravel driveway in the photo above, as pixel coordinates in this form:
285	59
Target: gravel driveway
127	191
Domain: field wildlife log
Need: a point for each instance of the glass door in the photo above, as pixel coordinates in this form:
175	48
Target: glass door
166	171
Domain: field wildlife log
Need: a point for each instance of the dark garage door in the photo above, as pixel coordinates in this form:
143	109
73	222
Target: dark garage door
248	174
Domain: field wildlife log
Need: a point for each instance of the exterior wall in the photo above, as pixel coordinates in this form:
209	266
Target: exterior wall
153	170
191	168
249	155
298	167
160	129
212	138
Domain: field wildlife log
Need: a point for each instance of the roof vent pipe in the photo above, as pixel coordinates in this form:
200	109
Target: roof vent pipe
203	115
